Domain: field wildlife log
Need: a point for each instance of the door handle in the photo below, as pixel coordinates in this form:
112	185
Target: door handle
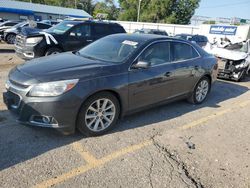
89	40
168	74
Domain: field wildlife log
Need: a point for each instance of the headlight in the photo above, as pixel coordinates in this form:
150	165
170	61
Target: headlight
243	64
52	89
33	40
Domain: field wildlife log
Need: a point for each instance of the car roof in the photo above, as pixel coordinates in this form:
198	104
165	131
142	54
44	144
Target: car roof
75	22
144	37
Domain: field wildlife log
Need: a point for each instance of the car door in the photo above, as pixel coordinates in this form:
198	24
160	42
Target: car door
153	84
78	37
186	62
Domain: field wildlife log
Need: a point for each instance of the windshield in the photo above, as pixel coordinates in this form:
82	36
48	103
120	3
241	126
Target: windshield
61	28
108	49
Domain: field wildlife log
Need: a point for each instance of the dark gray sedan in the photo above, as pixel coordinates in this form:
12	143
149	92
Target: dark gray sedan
114	76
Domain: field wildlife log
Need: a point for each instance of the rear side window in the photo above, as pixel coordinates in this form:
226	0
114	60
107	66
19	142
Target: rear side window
118	29
101	29
183	51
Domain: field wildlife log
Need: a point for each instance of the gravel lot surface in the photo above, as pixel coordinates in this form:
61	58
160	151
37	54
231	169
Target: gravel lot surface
176	145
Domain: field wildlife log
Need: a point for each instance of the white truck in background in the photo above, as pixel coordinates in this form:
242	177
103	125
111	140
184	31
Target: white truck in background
234	33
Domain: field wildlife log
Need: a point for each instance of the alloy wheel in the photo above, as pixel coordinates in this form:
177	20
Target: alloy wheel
202	90
100	115
11	39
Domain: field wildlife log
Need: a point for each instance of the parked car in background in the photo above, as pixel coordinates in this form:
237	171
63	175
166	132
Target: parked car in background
114	76
50	22
65	36
234	59
10	34
201	40
151	31
3	20
6	25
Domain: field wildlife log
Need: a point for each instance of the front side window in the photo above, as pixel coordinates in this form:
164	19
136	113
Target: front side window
156	54
81	31
182	51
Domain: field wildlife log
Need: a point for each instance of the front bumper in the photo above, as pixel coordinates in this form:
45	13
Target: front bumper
52	112
28	52
25	52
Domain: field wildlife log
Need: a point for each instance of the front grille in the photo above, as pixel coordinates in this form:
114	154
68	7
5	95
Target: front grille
20	41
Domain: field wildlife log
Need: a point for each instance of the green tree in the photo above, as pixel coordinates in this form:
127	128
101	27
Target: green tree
159	11
107	7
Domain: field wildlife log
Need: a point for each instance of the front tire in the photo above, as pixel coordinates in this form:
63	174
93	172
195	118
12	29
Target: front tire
200	91
98	114
52	51
11	38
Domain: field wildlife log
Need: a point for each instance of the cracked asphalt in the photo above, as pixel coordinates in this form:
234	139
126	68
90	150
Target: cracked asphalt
175	145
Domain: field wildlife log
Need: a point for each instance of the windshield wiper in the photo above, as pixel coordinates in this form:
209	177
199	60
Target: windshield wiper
88	57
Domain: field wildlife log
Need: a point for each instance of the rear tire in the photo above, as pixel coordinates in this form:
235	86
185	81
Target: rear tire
11	38
98	114
52	51
200	91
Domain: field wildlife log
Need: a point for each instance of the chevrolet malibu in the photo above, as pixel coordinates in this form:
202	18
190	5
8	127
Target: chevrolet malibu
117	75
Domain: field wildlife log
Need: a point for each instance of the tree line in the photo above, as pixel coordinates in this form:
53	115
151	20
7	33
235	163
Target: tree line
156	11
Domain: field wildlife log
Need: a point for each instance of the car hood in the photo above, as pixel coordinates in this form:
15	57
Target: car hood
29	31
66	66
14	30
229	54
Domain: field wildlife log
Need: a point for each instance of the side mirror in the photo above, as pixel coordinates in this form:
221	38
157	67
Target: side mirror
72	34
141	65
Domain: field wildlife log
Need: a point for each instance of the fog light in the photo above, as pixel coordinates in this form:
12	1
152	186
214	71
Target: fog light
43	120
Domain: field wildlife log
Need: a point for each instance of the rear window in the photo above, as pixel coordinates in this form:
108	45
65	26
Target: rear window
183	51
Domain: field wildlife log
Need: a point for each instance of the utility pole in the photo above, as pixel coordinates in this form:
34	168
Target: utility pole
139	9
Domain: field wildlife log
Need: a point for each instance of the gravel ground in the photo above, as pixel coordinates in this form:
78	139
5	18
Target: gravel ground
176	145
